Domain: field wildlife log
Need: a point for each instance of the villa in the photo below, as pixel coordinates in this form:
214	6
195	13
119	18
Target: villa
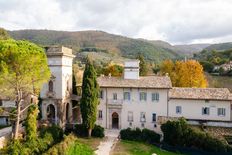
130	100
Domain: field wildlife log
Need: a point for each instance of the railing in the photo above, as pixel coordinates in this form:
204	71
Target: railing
115	102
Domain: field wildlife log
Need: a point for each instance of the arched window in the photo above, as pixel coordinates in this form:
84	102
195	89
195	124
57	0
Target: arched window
50	86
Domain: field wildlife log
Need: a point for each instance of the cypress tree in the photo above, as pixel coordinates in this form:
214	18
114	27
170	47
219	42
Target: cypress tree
142	65
89	100
31	123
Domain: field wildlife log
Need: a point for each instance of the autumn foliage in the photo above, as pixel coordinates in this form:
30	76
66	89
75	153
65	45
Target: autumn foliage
184	73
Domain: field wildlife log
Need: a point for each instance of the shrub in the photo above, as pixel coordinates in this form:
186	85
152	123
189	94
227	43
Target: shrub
178	133
98	131
145	135
80	130
56	131
150	136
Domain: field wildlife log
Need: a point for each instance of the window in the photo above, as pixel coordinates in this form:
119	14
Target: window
155	97
130	116
153	117
126	95
99	114
143	96
0	102
142	125
50	86
115	96
205	111
101	95
142	117
221	111
178	110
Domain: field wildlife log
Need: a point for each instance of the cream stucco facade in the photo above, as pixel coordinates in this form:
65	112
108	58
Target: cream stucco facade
192	109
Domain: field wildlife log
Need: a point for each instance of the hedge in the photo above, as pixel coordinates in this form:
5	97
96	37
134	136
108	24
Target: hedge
144	135
48	137
178	133
97	131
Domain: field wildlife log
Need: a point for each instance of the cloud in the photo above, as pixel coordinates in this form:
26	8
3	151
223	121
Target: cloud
176	21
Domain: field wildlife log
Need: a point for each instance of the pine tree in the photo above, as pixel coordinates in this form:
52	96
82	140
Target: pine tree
89	100
142	66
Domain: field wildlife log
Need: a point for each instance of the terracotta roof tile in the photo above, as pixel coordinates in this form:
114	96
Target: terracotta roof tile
200	93
142	82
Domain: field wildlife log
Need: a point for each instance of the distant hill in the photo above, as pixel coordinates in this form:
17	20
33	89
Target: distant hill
186	50
220	46
190	49
98	42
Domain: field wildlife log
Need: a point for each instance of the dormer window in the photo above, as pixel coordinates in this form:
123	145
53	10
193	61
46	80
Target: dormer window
50	86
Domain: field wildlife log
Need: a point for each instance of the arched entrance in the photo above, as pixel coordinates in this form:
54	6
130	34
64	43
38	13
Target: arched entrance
115	120
51	113
67	113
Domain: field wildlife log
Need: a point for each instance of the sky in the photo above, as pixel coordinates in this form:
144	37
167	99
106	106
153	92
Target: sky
175	21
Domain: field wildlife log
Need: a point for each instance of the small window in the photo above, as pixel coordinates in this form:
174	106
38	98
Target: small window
130	124
142	117
205	111
155	97
221	111
178	110
126	96
1	103
115	97
130	116
143	96
100	114
101	95
142	125
153	117
50	86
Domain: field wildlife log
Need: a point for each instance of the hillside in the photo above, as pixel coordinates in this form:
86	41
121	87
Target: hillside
98	42
220	46
186	50
190	49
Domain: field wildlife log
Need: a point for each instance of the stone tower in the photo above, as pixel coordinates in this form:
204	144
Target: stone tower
56	94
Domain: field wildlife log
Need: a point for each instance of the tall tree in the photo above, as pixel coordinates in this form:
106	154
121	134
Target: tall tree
89	100
184	74
3	34
142	65
23	70
31	123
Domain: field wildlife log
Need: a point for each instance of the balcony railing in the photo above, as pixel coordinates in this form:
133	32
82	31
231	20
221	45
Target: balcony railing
115	102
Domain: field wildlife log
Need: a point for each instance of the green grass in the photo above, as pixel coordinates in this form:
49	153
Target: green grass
79	149
136	148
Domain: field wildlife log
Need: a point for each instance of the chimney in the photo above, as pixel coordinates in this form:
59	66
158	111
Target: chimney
131	69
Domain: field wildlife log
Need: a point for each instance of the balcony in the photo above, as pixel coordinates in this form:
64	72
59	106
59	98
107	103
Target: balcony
114	103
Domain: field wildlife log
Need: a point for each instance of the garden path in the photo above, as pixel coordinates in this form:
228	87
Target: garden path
111	138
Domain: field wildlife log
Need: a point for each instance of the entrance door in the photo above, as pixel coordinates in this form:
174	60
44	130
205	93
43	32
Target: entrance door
115	120
51	113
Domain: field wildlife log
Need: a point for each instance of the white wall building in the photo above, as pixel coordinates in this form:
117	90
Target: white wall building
131	100
56	94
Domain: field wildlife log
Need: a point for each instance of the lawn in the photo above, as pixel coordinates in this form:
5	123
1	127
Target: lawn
124	147
84	146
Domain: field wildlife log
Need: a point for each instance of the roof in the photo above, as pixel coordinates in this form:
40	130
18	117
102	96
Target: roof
142	82
59	51
200	93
